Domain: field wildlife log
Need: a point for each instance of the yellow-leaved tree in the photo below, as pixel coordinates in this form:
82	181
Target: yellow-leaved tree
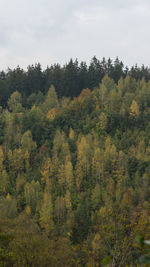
14	101
134	109
1	158
98	165
51	114
83	162
47	172
51	100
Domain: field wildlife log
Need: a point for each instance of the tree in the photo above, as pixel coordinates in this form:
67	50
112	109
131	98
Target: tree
51	100
16	160
29	246
47	172
83	163
101	125
52	113
6	254
59	210
68	203
98	165
46	212
134	109
96	197
81	221
4	182
27	142
8	207
69	177
14	101
32	193
1	158
61	148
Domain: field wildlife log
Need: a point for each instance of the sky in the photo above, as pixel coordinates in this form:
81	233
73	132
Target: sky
49	32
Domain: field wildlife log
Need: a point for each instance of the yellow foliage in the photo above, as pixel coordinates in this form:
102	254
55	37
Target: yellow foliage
14	100
68	200
69	174
27	142
96	243
1	158
86	93
102	212
134	109
59	207
8	197
51	100
47	172
71	134
61	149
16	159
83	162
103	121
28	210
51	114
61	174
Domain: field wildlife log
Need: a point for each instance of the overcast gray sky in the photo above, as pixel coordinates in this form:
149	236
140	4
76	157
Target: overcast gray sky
49	31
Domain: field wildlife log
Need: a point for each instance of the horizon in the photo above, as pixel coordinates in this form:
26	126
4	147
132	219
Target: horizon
25	68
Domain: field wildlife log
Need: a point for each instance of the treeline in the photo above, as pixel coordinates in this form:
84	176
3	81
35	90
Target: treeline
74	177
68	80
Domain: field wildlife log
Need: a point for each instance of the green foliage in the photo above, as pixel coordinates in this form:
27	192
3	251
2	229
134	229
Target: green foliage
106	260
74	173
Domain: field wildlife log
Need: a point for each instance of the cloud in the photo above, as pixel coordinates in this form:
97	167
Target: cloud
49	31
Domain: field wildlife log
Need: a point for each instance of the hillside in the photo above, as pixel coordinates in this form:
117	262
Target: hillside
75	173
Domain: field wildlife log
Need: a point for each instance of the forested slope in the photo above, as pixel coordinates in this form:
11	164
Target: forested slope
75	175
68	80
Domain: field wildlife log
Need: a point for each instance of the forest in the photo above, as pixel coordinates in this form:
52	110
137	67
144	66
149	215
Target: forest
75	165
68	80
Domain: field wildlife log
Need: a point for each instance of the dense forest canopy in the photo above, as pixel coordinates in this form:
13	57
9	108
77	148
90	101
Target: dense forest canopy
68	80
74	165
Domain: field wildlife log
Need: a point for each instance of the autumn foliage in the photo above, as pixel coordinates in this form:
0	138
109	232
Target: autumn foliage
74	177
